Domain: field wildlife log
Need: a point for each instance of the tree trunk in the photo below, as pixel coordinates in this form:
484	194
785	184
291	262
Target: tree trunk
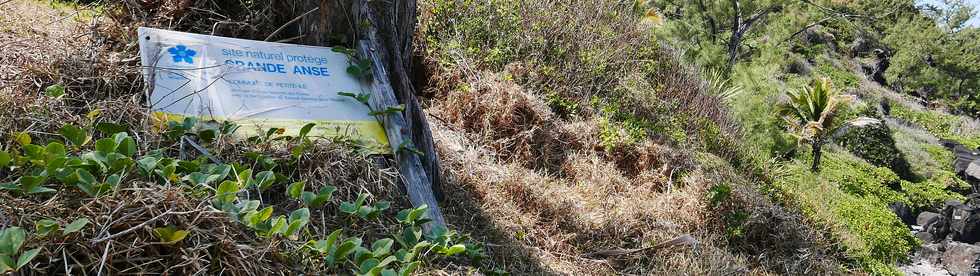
387	29
330	24
397	29
741	26
817	145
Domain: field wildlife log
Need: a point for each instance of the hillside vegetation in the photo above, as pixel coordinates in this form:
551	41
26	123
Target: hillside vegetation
591	137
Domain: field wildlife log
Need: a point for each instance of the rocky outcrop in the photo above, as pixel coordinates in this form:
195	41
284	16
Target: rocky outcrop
966	163
963	155
934	224
872	141
950	237
972	172
964	222
962	259
874	67
904	212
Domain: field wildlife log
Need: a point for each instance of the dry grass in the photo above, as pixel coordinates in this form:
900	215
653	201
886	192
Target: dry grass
216	244
535	223
595	50
544	191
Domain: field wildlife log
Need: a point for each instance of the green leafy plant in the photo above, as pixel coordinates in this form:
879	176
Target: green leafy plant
334	249
414	216
110	128
45	227
170	234
177	129
209	173
75	226
310	199
11	257
112	155
304	132
261	160
297	222
5	159
28	185
360	68
362	210
76	135
263	180
363	98
226	195
147	165
443	242
55	91
87	182
388	110
259	220
373	266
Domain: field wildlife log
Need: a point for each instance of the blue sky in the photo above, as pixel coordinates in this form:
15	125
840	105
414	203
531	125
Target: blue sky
976	3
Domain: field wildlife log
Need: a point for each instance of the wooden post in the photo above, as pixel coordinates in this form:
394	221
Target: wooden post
417	183
419	173
382	31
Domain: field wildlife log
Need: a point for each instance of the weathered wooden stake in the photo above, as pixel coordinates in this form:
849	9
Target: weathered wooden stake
383	31
411	128
417	183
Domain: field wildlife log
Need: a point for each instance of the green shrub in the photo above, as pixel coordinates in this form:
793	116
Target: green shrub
950	181
928	194
859	178
940	154
850	197
840	77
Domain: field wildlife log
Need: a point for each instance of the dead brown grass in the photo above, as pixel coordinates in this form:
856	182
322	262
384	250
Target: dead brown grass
553	223
546	195
540	222
216	244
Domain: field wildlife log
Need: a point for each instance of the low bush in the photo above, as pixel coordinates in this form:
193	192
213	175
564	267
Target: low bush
929	194
842	78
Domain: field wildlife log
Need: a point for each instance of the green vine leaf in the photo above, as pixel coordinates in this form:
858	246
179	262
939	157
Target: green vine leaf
170	234
75	226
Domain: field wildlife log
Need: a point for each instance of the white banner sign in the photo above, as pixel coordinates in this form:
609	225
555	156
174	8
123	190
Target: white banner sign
258	85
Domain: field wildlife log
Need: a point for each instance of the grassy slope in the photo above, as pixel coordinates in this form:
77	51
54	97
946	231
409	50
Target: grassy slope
585	134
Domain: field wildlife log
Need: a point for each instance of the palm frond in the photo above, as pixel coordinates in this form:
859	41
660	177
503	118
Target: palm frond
810	111
717	84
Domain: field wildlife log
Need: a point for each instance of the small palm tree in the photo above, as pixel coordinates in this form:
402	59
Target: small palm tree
810	114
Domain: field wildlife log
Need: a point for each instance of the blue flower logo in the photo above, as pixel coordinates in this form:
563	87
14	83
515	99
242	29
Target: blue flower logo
182	54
